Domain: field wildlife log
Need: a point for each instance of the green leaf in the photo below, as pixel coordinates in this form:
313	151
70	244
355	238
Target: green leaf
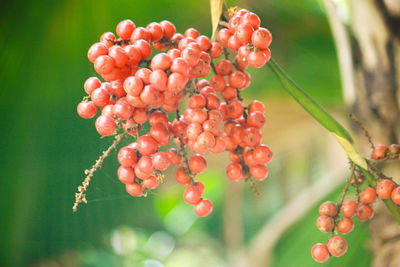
308	103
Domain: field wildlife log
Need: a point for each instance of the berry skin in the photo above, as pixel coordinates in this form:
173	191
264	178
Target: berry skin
364	213
320	253
125	29
328	208
349	208
384	188
105	125
257	59
396	195
127	157
151	182
91	84
261	38
263	154
87	109
259	172
181	175
146	145
345	225
192	195
134	190
161	161
197	164
126	175
234	171
337	246
368	196
325	224
96	50
203	208
379	152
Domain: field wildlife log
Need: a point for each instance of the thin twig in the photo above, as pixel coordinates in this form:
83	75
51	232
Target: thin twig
80	196
359	123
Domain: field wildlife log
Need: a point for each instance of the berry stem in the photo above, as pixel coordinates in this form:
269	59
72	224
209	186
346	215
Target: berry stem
80	196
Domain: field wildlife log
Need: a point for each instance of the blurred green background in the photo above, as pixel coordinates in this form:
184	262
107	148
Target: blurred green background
46	147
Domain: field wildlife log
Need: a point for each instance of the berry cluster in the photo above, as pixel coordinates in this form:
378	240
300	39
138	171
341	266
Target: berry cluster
381	152
143	85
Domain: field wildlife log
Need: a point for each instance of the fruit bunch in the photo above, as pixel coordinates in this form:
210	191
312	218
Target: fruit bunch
330	221
149	71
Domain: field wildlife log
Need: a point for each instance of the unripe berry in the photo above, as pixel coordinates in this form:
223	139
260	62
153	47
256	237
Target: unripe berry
337	246
320	253
328	208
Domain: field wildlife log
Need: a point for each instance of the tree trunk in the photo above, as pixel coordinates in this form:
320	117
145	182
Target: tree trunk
370	67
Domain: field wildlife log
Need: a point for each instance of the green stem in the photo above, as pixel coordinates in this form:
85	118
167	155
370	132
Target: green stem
326	120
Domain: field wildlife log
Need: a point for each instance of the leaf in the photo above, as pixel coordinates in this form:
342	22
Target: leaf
308	103
216	11
351	152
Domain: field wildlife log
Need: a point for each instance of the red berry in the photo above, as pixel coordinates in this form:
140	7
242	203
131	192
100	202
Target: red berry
156	31
203	208
146	145
91	84
379	152
168	28
319	252
257	59
396	195
259	172
151	182
234	171
104	64
368	195
87	109
364	213
126	175
127	157
337	246
96	50
125	29
134	190
328	208
192	195
261	38
197	164
384	188
325	224
181	176
345	225
105	125
161	161
349	208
